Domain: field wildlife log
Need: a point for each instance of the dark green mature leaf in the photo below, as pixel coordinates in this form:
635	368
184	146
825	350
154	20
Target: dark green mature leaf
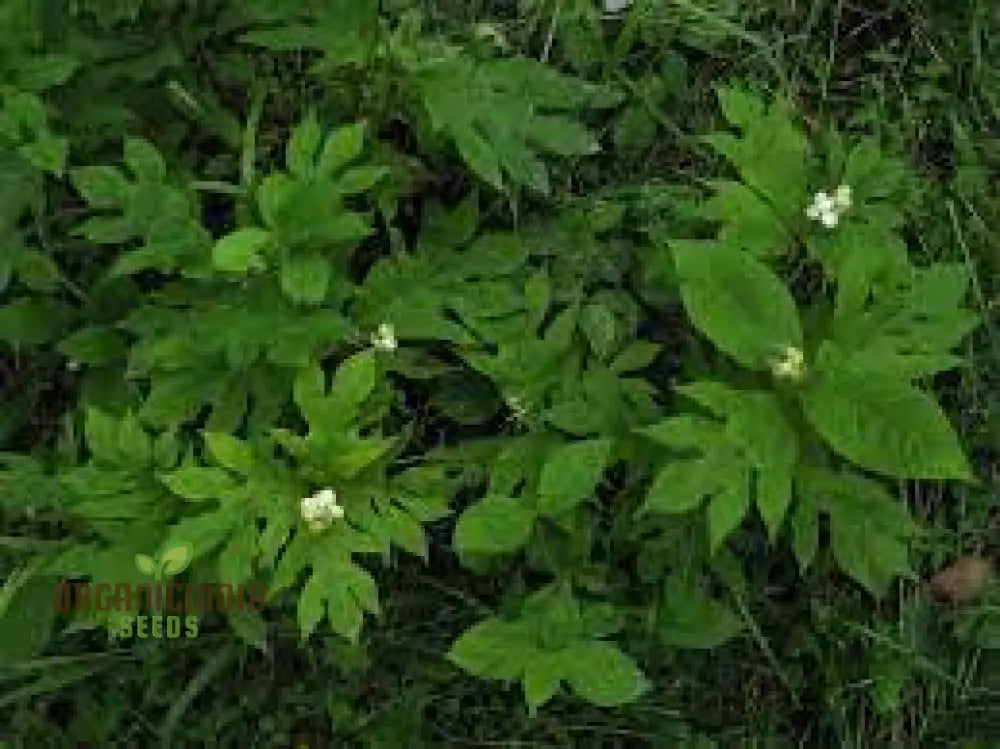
493	649
27	612
689	618
602	674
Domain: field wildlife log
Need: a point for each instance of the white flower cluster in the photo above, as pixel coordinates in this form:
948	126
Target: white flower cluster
827	208
384	339
320	510
791	365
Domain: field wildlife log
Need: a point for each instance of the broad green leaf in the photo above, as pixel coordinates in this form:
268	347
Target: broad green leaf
542	677
239	252
805	532
144	160
341	147
405	531
728	506
561	136
101	186
360	179
571	473
870	529
686	432
600	326
353	382
637	355
494	525
681	486
198	483
300	154
759	425
478	154
884	424
101	431
305	278
602	674
492	649
134	446
229	452
736	301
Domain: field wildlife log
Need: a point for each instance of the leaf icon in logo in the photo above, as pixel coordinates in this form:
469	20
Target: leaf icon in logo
145	564
176	559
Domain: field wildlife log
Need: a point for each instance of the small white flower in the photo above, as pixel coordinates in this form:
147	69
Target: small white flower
384	339
320	510
827	208
616	6
791	365
73	366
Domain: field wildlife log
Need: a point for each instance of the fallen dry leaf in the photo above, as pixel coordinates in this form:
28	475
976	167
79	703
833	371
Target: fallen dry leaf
962	581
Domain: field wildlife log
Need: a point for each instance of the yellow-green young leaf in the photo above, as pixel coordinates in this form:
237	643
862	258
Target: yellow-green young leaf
494	525
493	649
342	146
199	484
239	252
602	674
884	424
571	473
736	301
542	677
229	452
305	278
